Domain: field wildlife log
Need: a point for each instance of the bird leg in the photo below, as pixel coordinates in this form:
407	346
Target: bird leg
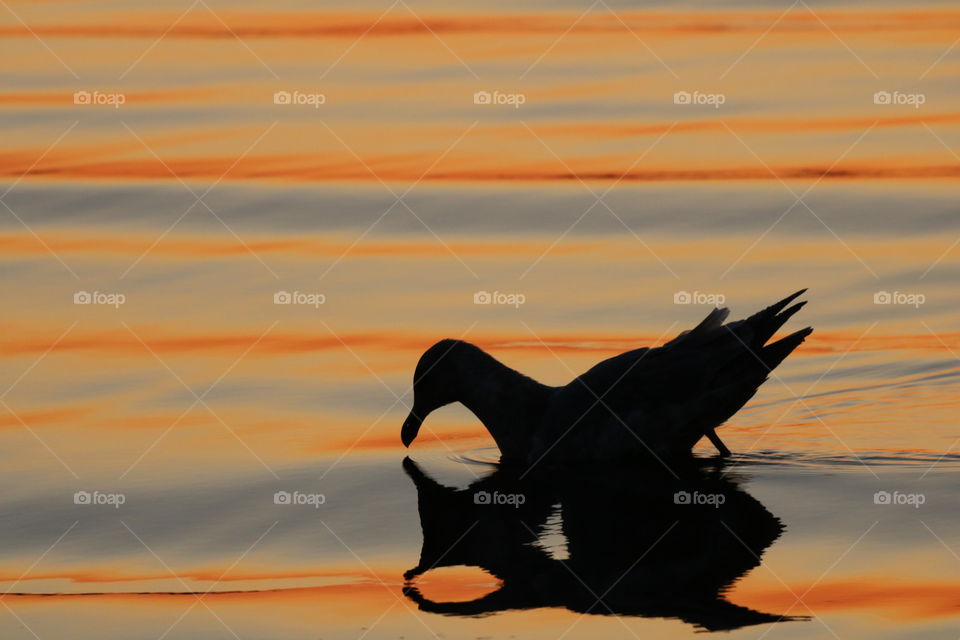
715	439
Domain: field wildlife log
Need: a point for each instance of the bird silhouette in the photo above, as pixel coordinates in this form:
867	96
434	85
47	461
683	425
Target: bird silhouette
638	542
650	401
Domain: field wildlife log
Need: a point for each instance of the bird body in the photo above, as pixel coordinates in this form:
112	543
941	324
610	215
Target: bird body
658	401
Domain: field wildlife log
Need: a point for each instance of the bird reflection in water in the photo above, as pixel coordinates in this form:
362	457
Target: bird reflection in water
664	543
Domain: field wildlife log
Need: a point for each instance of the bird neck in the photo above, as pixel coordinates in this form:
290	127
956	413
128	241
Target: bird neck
508	403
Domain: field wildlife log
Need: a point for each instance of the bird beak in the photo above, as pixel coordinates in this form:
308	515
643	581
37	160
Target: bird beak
411	426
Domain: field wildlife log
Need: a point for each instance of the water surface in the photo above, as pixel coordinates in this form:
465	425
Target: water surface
598	202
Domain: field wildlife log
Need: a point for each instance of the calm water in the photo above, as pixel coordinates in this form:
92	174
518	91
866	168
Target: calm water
146	360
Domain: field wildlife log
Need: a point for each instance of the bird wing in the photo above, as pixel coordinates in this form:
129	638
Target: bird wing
671	395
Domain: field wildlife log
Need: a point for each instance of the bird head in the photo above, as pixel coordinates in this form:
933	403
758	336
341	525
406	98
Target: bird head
434	385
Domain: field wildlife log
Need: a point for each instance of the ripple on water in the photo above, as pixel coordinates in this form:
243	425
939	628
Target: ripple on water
490	457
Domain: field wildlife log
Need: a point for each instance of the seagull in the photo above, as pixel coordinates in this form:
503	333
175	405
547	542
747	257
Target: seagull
658	401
